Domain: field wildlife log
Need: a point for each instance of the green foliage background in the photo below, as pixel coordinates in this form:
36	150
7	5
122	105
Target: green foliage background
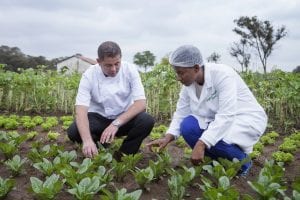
44	91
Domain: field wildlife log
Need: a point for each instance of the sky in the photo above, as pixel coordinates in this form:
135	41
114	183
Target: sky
59	28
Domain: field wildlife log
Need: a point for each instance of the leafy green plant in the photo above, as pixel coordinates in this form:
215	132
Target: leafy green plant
46	126
6	185
296	188
11	124
181	142
143	176
120	169
52	120
158	168
102	158
53	135
38	120
31	135
46	190
187	152
36	154
66	124
25	118
280	156
165	158
105	176
121	195
222	191
255	154
227	168
157	132
46	167
67	118
273	134
267	140
29	125
176	187
188	175
288	145
66	157
87	188
131	160
269	183
258	147
9	149
81	170
15	164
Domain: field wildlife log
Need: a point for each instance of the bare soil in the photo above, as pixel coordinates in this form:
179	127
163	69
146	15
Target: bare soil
157	190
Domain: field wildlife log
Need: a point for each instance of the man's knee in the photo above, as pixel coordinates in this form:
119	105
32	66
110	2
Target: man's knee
147	120
73	133
186	126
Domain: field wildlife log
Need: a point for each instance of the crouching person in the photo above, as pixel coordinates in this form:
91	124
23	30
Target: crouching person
110	102
216	113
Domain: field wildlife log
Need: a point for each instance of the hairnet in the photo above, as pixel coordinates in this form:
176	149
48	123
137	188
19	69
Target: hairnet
186	56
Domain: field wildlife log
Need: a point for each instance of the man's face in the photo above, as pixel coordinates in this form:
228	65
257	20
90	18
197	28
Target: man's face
110	65
186	75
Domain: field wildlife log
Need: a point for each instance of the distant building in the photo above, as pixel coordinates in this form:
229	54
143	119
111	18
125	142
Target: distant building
75	63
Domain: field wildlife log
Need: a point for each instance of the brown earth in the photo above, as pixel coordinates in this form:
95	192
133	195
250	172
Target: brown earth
157	190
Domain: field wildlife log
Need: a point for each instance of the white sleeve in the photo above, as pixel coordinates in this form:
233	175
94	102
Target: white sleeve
84	92
182	110
217	129
137	88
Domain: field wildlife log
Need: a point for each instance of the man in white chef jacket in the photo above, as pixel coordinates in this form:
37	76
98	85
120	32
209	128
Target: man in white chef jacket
110	102
216	113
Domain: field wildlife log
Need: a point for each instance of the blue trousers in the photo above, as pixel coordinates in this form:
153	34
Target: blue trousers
191	133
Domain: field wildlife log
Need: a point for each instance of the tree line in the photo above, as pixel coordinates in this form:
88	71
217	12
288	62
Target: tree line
13	59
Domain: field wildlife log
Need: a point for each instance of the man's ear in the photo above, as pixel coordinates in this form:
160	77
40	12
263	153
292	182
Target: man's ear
98	60
197	68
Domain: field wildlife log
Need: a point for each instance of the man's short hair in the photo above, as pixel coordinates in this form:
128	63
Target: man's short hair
109	49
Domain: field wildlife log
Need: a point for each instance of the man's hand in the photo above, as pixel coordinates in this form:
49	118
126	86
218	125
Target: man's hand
160	143
108	134
89	149
198	153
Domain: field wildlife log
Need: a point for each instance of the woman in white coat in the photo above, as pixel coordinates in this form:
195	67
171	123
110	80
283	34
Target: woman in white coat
216	113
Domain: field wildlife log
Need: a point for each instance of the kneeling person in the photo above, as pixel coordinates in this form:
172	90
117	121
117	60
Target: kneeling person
216	113
110	102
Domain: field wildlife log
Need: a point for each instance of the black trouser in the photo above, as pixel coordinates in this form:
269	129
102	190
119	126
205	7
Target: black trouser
136	130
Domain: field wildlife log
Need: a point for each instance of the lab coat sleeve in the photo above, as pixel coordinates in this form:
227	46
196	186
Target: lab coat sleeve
227	90
182	110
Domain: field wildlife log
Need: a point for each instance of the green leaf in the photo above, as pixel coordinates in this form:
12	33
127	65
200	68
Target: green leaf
36	184
224	182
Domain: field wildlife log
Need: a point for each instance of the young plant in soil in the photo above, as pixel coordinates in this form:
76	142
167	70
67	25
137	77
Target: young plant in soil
15	165
269	184
143	176
121	195
6	185
87	188
46	190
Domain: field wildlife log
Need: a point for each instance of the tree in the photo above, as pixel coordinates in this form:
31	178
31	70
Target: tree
144	59
214	57
239	51
260	35
13	58
297	69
